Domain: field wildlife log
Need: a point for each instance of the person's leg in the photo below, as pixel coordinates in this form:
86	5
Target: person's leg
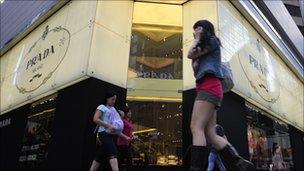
211	160
114	164
202	111
120	156
95	165
201	114
217	141
99	155
129	158
225	149
219	163
124	157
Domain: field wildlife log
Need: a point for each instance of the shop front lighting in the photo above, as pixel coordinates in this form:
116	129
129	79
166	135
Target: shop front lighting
145	131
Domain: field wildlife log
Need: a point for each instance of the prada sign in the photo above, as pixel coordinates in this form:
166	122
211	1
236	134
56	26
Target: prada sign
42	59
5	122
260	70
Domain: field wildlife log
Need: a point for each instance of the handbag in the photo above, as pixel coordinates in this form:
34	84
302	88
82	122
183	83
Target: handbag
116	121
227	81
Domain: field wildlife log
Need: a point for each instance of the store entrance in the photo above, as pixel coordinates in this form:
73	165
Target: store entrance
154	84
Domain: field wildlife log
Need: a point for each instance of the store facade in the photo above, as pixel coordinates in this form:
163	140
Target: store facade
53	80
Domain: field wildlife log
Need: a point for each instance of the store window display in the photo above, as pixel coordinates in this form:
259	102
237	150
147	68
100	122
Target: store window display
155	82
158	131
37	134
268	142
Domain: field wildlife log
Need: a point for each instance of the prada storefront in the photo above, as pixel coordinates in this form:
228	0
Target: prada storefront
55	77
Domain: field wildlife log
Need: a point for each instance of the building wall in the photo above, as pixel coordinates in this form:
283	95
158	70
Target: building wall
99	45
22	83
72	146
11	137
259	74
104	37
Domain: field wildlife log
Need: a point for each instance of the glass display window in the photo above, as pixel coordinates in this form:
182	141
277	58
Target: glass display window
155	81
37	133
268	141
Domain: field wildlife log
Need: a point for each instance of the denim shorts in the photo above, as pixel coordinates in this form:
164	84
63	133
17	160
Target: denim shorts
203	95
209	88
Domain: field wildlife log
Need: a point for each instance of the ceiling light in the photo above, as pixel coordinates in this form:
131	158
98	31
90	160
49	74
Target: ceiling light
1	1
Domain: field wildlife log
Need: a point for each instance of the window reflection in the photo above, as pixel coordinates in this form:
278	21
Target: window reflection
154	80
268	142
158	127
38	133
156	52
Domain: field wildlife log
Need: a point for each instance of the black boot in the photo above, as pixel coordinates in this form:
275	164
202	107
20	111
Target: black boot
230	154
199	158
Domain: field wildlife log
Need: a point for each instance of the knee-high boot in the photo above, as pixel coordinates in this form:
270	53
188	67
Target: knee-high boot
199	158
230	154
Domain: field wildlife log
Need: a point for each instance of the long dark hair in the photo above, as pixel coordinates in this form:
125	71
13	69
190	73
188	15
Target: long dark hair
108	95
208	29
126	110
274	147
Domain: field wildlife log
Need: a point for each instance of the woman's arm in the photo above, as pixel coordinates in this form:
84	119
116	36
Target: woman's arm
125	137
196	51
98	121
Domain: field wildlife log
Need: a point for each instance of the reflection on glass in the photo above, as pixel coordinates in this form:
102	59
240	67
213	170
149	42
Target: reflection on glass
269	146
156	52
158	127
37	134
154	80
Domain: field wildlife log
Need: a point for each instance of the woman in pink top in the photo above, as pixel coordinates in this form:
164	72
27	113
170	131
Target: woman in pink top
124	140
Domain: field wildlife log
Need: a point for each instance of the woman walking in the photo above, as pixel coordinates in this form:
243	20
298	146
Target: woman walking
206	62
277	158
108	129
124	140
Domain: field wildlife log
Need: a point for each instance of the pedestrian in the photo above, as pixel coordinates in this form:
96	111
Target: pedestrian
277	158
206	61
262	149
124	140
109	126
214	157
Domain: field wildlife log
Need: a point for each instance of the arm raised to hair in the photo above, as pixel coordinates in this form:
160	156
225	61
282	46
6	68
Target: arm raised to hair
196	51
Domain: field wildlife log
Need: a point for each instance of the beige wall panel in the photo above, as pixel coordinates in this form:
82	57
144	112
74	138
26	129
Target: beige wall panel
155	88
109	57
10	95
81	14
171	14
3	63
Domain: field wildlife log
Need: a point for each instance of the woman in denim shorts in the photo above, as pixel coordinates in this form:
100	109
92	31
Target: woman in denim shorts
205	54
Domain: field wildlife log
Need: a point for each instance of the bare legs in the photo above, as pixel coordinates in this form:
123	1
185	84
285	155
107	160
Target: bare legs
217	141
202	111
95	165
203	122
113	163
